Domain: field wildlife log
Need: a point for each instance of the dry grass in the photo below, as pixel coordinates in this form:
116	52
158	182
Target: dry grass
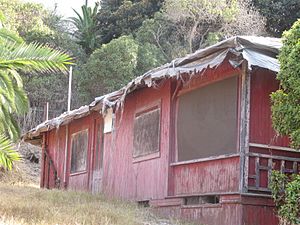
22	202
31	205
16	176
24	172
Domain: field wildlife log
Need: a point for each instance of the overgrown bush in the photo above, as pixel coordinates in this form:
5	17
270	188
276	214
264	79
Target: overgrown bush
286	107
286	194
113	65
286	121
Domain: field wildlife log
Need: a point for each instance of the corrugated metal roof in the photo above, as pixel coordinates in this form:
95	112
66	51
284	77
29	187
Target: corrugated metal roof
257	51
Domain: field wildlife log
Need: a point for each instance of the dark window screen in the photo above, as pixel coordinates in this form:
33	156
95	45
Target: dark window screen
146	133
79	151
207	121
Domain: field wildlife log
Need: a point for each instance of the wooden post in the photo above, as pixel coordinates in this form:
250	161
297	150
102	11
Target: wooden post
42	175
66	157
244	127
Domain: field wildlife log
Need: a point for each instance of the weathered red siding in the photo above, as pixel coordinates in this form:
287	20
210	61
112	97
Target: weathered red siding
258	211
263	138
263	83
232	210
80	181
214	215
55	147
158	178
146	179
214	176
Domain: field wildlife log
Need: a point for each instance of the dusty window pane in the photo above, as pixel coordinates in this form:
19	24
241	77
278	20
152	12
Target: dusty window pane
146	133
79	151
207	121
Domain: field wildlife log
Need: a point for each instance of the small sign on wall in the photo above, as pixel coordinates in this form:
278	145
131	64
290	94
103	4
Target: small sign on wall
108	121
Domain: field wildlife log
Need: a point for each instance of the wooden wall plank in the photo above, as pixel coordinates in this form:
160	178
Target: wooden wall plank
207	177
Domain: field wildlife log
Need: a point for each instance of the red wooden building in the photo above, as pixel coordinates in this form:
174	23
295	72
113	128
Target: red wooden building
192	138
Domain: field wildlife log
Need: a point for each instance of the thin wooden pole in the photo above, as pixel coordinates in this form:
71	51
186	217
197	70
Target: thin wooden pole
47	111
67	130
70	89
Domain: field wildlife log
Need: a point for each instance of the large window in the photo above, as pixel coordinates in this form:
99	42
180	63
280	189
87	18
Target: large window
207	121
79	145
146	132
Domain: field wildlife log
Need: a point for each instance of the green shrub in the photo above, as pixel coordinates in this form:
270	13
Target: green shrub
286	194
286	107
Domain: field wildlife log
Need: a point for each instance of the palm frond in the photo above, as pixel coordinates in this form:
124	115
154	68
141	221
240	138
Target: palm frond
8	124
15	56
86	25
6	88
7	35
12	94
21	101
7	153
34	57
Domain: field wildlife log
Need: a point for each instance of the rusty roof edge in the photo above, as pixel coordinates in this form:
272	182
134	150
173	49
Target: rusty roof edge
258	51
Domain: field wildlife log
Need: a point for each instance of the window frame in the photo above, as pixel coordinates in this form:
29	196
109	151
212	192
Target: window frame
72	173
149	108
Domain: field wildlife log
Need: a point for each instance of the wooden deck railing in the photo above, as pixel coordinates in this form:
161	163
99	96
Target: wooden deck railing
274	162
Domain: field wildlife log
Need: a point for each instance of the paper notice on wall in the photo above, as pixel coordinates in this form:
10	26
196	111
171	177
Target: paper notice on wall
108	121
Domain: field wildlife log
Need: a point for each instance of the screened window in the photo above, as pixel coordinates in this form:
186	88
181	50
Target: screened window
207	121
146	133
79	151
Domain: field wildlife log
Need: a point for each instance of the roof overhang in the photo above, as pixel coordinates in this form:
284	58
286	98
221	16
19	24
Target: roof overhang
257	51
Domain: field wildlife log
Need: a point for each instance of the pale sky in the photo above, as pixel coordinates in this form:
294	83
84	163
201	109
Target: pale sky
64	7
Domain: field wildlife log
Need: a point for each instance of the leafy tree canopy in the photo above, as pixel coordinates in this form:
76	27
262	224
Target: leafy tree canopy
162	33
114	65
200	23
280	14
183	26
286	107
44	27
117	18
16	14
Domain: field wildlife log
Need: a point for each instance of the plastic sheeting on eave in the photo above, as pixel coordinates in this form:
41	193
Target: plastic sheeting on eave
257	51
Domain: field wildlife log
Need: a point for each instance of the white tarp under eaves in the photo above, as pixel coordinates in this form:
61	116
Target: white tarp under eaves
258	51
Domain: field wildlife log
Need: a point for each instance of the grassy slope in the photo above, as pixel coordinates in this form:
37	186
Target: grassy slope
31	205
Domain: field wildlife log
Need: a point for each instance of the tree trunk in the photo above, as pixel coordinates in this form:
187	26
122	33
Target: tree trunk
192	35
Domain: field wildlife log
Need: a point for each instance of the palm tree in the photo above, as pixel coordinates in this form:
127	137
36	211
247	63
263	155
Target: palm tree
17	56
86	27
